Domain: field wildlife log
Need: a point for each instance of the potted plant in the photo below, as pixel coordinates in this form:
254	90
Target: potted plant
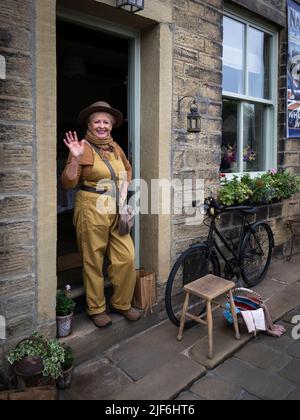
271	187
65	380
64	312
35	358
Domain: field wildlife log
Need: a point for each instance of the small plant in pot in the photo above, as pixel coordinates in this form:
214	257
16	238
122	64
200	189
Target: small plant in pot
64	312
65	380
36	358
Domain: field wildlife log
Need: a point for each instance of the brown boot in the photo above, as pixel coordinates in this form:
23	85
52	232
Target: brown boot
131	314
101	320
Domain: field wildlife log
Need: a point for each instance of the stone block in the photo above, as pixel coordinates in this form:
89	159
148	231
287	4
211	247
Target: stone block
214	389
256	381
19	66
15	233
19	305
20	326
16	38
192	39
16	182
292	372
96	381
12	156
23	17
186	54
15	207
203	75
12	110
20	284
16	261
16	134
213	15
166	382
15	89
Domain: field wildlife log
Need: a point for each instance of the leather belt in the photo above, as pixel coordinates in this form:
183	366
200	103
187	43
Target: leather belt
93	190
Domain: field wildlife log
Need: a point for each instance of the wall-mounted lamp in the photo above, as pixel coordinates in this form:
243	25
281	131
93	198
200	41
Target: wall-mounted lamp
132	6
193	118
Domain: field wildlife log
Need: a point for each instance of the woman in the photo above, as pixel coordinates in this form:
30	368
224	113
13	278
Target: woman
97	230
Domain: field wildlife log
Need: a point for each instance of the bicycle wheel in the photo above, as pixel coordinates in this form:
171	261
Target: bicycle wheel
257	252
191	265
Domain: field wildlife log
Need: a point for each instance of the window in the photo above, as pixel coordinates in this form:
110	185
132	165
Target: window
249	142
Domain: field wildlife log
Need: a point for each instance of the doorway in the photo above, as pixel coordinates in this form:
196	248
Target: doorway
92	65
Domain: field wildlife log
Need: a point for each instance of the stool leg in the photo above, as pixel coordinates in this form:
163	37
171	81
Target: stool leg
234	316
182	320
210	327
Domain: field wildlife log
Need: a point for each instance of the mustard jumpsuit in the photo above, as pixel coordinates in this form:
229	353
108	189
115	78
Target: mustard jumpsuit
97	234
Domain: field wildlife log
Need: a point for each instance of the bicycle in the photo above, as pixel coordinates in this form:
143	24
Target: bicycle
249	259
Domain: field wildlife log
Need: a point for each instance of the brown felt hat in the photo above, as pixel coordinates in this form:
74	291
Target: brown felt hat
100	107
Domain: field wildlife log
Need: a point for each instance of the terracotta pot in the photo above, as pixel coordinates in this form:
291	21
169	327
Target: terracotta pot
64	325
65	381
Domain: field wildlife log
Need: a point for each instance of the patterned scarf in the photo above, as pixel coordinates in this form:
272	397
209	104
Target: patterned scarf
104	146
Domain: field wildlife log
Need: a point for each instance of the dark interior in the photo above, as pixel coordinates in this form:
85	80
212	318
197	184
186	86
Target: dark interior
91	66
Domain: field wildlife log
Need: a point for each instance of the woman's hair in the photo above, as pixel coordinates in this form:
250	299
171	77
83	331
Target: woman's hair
112	118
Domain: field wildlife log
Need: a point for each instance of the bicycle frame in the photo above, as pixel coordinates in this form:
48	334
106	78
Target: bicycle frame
237	255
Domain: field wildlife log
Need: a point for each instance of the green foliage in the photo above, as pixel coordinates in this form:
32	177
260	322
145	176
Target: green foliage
234	192
64	304
69	358
268	188
54	356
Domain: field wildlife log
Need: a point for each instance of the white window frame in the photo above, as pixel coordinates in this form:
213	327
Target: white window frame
271	157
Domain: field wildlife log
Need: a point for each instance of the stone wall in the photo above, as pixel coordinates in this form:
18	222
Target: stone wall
198	72
17	171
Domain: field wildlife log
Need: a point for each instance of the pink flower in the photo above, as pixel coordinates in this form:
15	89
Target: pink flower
68	288
273	171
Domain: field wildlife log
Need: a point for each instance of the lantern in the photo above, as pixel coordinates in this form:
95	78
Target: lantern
194	119
132	6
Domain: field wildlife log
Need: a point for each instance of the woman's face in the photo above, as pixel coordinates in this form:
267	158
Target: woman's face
101	124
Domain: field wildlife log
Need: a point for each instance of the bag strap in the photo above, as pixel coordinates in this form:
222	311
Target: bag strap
112	172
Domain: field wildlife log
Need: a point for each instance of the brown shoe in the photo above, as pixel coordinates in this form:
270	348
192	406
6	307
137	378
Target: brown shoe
131	314
101	320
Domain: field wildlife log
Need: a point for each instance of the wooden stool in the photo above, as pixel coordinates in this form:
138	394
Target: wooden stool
208	288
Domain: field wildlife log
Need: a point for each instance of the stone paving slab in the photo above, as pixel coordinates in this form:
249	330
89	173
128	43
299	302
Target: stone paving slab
294	350
154	348
264	357
295	395
258	382
166	382
188	396
289	317
292	372
225	345
282	303
213	388
97	380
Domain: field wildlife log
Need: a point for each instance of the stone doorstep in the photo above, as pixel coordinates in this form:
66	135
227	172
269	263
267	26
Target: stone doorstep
89	342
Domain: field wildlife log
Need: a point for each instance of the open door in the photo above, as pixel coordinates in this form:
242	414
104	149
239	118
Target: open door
92	65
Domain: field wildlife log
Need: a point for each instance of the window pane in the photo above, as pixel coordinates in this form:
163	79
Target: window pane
254	138
259	64
233	56
230	137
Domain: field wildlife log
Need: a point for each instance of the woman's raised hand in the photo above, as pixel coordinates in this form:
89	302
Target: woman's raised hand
76	147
